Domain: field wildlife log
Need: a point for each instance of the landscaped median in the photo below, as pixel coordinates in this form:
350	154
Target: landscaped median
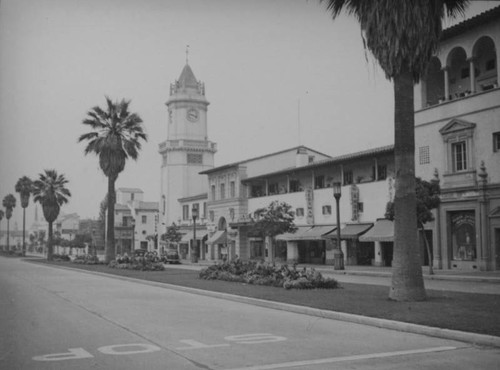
474	313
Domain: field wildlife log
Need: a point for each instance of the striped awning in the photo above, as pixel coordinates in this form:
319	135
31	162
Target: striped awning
189	236
219	237
307	233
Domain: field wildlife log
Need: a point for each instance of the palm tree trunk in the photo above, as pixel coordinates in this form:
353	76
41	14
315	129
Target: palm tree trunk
110	237
24	231
50	250
8	235
407	280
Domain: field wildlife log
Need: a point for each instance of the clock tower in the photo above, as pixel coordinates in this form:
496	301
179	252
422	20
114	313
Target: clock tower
187	150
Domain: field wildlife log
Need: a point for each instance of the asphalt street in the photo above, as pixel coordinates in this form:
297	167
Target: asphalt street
63	319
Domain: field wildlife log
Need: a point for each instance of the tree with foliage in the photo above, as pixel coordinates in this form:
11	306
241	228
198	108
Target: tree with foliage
50	191
427	194
277	218
9	203
173	234
115	137
24	187
1	217
402	36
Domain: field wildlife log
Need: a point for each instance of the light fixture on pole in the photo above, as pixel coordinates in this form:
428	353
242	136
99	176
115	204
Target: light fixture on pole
132	247
338	255
194	249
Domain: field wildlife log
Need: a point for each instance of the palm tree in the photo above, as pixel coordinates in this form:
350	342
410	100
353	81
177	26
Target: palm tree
1	218
9	203
402	36
24	187
115	138
49	190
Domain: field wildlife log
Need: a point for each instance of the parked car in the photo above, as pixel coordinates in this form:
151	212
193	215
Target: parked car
171	257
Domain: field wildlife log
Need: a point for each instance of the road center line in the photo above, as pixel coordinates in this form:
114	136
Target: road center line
345	358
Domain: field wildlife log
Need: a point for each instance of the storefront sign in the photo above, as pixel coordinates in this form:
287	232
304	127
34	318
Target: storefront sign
309	205
354	202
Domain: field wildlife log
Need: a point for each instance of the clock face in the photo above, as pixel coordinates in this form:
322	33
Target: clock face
193	115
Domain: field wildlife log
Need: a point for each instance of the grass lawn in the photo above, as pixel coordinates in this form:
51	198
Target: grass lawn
476	313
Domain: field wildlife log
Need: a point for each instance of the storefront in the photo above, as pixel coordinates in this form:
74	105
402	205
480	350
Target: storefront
380	240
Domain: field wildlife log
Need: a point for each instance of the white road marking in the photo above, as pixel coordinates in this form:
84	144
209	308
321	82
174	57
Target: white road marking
344	359
193	344
255	338
72	354
139	348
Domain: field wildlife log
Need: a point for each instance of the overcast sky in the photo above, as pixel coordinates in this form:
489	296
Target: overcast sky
258	60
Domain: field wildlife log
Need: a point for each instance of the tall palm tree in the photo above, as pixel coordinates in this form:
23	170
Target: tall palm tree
50	191
402	36
115	138
24	187
1	218
9	203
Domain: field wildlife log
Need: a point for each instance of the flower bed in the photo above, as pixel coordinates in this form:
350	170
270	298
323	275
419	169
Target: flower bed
259	273
87	259
137	263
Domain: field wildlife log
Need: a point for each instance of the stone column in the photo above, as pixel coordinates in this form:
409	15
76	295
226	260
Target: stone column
484	262
379	258
292	252
446	83
472	75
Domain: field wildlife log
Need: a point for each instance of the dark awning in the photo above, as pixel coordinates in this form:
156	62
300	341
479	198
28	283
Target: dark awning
382	231
219	237
352	231
307	233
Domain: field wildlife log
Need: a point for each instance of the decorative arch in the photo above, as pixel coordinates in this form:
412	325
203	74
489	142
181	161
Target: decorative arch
222	224
486	64
434	82
458	73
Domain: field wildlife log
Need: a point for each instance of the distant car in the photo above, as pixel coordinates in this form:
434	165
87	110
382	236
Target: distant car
139	252
171	257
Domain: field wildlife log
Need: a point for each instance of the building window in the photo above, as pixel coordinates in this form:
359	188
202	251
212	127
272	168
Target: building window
310	159
213	192
132	196
459	153
382	172
194	158
327	210
256	191
496	141
299	212
144	219
424	155
256	249
319	182
185	212
164	204
295	186
232	189
222	191
204	210
273	188
348	177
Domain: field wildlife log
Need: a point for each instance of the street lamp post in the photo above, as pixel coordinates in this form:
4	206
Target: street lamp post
93	242
194	251
338	255
132	247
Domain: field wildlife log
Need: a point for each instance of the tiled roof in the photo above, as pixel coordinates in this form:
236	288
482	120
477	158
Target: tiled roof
215	169
130	190
482	18
343	158
152	206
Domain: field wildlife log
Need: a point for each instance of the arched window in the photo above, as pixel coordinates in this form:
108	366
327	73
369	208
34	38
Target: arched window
434	83
485	64
458	73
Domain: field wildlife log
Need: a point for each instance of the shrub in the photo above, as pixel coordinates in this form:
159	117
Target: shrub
87	259
137	263
60	257
259	273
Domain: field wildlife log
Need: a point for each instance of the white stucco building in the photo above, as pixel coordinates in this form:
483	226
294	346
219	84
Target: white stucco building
457	133
186	151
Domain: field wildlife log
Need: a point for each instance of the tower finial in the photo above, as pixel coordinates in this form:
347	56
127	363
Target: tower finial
187	54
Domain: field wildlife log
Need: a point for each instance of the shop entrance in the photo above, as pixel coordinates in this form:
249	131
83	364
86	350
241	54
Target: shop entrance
312	251
387	252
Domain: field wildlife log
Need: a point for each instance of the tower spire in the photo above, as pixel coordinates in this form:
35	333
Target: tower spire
187	54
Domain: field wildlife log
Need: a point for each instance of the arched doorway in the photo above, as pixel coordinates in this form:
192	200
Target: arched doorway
485	64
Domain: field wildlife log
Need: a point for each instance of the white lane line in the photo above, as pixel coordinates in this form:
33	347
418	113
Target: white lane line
345	358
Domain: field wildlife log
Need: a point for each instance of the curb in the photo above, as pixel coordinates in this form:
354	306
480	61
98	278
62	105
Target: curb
472	338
